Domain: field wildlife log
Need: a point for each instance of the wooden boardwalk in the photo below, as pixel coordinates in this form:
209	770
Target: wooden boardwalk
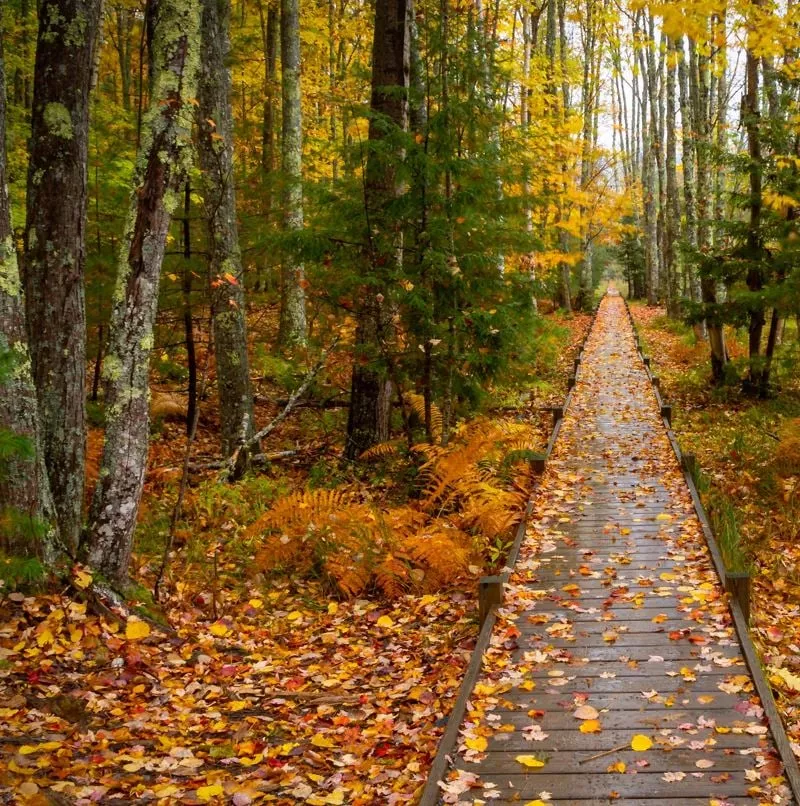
615	630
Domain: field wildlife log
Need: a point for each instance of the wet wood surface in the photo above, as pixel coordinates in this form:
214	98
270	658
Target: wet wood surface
614	625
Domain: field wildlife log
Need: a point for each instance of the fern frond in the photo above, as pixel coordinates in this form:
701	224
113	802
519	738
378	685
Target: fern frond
299	509
417	403
381	450
392	577
442	553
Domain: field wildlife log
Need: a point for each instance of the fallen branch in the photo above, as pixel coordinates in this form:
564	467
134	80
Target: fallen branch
245	445
255	459
604	753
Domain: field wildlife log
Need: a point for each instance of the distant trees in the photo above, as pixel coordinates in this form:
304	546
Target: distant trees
433	175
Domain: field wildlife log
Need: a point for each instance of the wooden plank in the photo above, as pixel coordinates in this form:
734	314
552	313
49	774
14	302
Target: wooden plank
651	785
504	763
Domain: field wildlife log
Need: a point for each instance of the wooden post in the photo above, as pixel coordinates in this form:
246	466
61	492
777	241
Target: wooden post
570	382
558	413
646	360
737	583
657	382
576	366
490	594
689	462
666	412
538	465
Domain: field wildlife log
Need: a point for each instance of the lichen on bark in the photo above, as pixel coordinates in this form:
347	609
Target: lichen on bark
162	164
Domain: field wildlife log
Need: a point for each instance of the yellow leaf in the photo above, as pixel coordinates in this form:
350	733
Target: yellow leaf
333	608
27	749
82	579
219	629
663	517
294	615
617	766
530	761
640	743
479	743
136	629
385	621
44	637
238	705
590	726
205	793
536	802
318	740
336	798
256	604
14	767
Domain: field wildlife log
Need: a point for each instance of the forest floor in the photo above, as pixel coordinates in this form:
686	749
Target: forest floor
748	453
247	683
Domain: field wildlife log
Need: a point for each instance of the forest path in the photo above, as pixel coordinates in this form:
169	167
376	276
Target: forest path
614	626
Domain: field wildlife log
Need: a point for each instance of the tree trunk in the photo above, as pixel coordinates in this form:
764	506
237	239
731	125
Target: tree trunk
673	209
55	244
649	179
188	317
368	422
225	261
161	169
587	108
293	329
751	117
699	95
26	506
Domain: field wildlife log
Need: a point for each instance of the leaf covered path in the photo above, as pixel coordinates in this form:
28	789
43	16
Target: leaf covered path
614	673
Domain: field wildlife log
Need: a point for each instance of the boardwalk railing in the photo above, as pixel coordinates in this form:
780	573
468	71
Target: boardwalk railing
432	792
735	583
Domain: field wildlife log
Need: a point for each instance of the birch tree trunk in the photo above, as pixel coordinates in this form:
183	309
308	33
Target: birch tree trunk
649	178
225	260
26	506
293	329
587	93
699	94
673	207
161	169
55	244
368	421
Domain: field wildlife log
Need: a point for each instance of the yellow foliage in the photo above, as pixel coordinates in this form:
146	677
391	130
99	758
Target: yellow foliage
471	496
787	454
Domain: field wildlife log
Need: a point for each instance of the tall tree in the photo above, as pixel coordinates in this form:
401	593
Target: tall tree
368	421
293	326
751	117
161	169
672	213
24	486
225	261
54	243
